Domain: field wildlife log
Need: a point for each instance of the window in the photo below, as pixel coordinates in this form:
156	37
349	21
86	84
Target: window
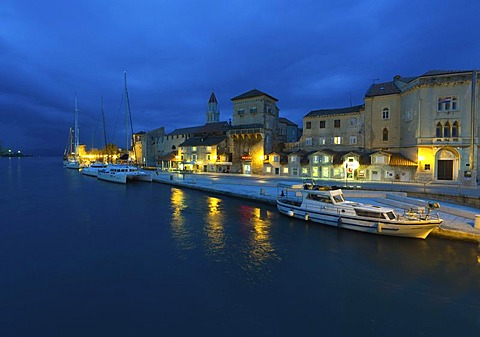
447	130
408	115
353	121
385	113
208	157
269	169
380	160
316	159
285	170
337	140
385	135
308	125
326	159
308	141
253	110
276	159
455	132
336	123
194	157
427	167
321	140
447	103
322	124
194	149
353	139
293	159
438	130
241	111
208	148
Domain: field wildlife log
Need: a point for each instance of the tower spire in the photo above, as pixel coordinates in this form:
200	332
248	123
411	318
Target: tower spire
213	115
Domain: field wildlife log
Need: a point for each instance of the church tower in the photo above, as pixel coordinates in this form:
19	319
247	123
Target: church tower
213	115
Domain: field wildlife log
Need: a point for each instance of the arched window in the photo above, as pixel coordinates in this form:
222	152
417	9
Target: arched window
438	130
455	129
447	131
385	134
385	113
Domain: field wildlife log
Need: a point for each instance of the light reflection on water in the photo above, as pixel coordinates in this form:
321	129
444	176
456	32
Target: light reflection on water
180	232
214	227
245	241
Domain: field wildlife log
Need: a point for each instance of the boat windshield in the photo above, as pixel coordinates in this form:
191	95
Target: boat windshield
391	215
338	198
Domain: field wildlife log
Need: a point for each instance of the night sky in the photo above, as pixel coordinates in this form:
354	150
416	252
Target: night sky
308	54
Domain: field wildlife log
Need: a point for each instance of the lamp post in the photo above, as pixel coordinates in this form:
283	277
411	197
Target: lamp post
346	170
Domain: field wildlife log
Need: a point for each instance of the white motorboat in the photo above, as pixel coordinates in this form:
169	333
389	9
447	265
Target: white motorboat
118	173
92	170
328	206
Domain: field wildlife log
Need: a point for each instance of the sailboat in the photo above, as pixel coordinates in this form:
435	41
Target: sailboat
71	157
92	169
121	173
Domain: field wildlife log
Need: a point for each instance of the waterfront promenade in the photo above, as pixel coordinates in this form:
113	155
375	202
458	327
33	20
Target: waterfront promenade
459	221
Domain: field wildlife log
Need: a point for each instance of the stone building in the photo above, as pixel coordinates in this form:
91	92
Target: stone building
254	130
431	119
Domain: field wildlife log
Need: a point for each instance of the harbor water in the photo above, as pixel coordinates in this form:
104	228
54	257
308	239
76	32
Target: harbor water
82	257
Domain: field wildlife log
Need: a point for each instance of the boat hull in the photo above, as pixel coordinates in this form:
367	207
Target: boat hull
412	229
122	178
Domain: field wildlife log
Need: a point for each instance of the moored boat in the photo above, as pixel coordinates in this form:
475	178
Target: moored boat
328	206
119	173
92	170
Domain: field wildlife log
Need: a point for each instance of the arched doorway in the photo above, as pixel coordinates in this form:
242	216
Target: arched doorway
447	164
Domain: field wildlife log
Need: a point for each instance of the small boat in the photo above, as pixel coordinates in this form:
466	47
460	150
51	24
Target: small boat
119	173
327	206
92	170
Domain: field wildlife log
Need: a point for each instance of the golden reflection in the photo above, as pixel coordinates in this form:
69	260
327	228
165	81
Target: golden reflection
179	231
215	225
261	248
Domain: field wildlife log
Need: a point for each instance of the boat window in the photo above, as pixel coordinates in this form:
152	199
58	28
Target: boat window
338	198
321	198
391	215
369	214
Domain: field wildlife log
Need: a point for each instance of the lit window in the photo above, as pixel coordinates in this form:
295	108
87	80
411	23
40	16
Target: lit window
337	140
194	149
293	159
321	140
269	169
316	159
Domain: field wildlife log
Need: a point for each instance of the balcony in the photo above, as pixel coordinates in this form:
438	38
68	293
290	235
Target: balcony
454	141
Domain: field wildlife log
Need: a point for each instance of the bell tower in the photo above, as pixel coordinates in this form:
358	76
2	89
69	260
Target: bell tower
213	115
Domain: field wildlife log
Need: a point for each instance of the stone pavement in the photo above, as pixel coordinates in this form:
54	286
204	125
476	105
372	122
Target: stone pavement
459	221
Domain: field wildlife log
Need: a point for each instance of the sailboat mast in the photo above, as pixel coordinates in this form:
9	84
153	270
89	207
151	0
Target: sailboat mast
103	123
128	117
76	135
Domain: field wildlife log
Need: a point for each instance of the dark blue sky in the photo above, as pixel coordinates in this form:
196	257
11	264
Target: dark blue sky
308	54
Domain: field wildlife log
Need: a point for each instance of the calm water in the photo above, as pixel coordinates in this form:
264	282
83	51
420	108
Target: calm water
81	257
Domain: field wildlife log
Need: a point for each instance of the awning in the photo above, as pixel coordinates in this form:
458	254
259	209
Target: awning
223	163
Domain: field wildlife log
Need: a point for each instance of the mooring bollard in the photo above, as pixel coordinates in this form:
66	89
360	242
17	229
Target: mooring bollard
477	221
